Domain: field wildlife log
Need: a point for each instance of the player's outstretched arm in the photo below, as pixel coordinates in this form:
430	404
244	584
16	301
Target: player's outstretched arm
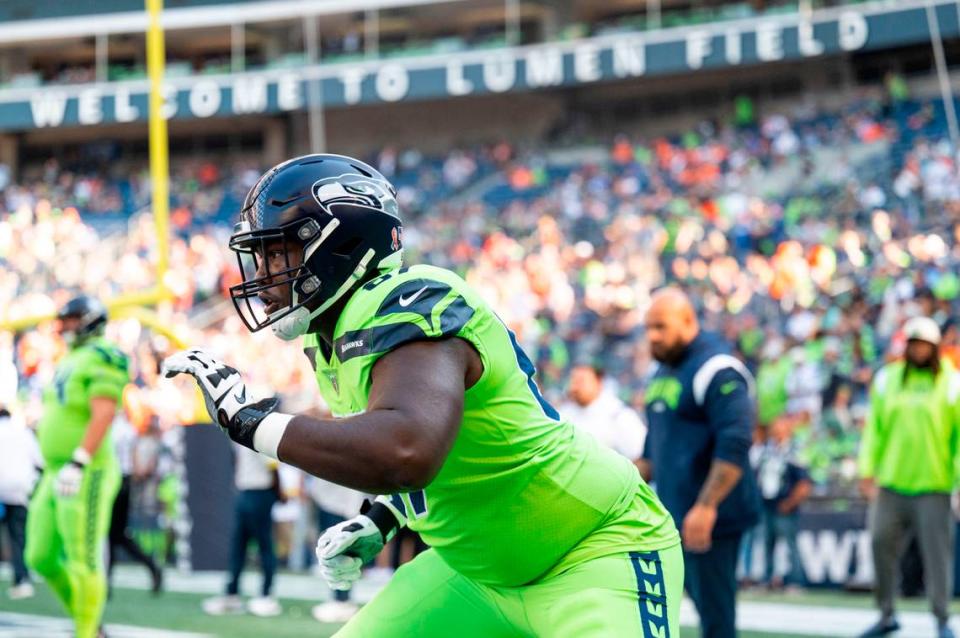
398	444
70	476
412	420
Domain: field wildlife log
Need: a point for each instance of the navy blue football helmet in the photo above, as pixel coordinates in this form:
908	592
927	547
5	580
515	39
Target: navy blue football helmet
92	315
338	214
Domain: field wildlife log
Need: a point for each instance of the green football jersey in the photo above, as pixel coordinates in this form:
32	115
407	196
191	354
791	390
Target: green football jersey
521	488
96	368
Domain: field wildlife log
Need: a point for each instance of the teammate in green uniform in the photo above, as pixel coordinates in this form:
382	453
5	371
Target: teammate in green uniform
535	528
69	515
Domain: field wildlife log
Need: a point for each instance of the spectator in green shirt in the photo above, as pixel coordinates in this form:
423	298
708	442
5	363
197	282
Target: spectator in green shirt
908	469
772	383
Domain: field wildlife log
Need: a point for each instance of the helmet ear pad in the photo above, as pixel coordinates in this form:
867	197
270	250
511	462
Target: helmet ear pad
346	248
340	262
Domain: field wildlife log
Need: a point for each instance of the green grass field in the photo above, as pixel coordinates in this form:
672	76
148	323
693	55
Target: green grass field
182	612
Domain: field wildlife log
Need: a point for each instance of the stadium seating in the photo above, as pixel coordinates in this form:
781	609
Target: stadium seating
741	216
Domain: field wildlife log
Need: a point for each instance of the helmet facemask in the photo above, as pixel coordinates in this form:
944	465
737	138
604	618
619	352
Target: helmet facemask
291	287
87	318
297	291
71	335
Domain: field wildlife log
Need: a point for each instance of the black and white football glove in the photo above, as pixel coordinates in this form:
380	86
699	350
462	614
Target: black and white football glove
343	550
224	392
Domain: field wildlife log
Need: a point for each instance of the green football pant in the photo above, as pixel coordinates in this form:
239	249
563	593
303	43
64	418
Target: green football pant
635	594
65	543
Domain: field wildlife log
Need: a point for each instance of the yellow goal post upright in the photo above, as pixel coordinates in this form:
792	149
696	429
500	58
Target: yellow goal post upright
136	305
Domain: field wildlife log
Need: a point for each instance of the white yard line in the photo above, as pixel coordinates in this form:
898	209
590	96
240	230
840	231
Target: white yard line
814	620
785	618
14	625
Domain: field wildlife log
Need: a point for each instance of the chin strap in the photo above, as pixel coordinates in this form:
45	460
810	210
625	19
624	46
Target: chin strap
297	323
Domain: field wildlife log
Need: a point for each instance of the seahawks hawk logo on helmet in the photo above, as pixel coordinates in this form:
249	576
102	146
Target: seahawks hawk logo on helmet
355	190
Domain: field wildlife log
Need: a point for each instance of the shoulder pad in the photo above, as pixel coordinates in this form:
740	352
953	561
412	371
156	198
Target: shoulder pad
401	306
110	354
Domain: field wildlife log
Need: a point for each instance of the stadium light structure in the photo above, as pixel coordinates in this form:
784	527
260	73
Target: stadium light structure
135	305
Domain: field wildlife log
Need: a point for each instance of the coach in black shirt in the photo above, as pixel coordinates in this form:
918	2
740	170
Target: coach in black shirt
700	414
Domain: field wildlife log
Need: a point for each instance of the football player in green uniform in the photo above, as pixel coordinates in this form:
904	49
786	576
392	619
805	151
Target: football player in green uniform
69	514
535	528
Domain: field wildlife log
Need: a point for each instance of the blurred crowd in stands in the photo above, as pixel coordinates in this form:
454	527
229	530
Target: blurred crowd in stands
806	238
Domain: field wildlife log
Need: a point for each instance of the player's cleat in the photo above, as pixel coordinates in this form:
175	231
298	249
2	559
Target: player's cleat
883	627
334	611
223	605
21	591
264	606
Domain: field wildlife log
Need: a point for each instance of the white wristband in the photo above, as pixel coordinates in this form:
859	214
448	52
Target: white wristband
81	456
266	439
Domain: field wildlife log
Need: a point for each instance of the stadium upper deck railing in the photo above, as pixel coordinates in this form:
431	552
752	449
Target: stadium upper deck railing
24	20
746	41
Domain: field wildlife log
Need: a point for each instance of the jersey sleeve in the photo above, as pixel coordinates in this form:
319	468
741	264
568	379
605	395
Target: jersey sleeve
729	409
405	307
796	473
108	372
870	441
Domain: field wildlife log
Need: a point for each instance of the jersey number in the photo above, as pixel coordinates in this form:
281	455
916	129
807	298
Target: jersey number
376	281
413	506
60	383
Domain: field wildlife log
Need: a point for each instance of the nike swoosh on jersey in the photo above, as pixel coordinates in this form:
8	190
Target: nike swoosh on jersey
406	301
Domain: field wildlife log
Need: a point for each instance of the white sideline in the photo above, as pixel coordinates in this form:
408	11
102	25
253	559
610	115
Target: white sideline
812	620
815	620
13	625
